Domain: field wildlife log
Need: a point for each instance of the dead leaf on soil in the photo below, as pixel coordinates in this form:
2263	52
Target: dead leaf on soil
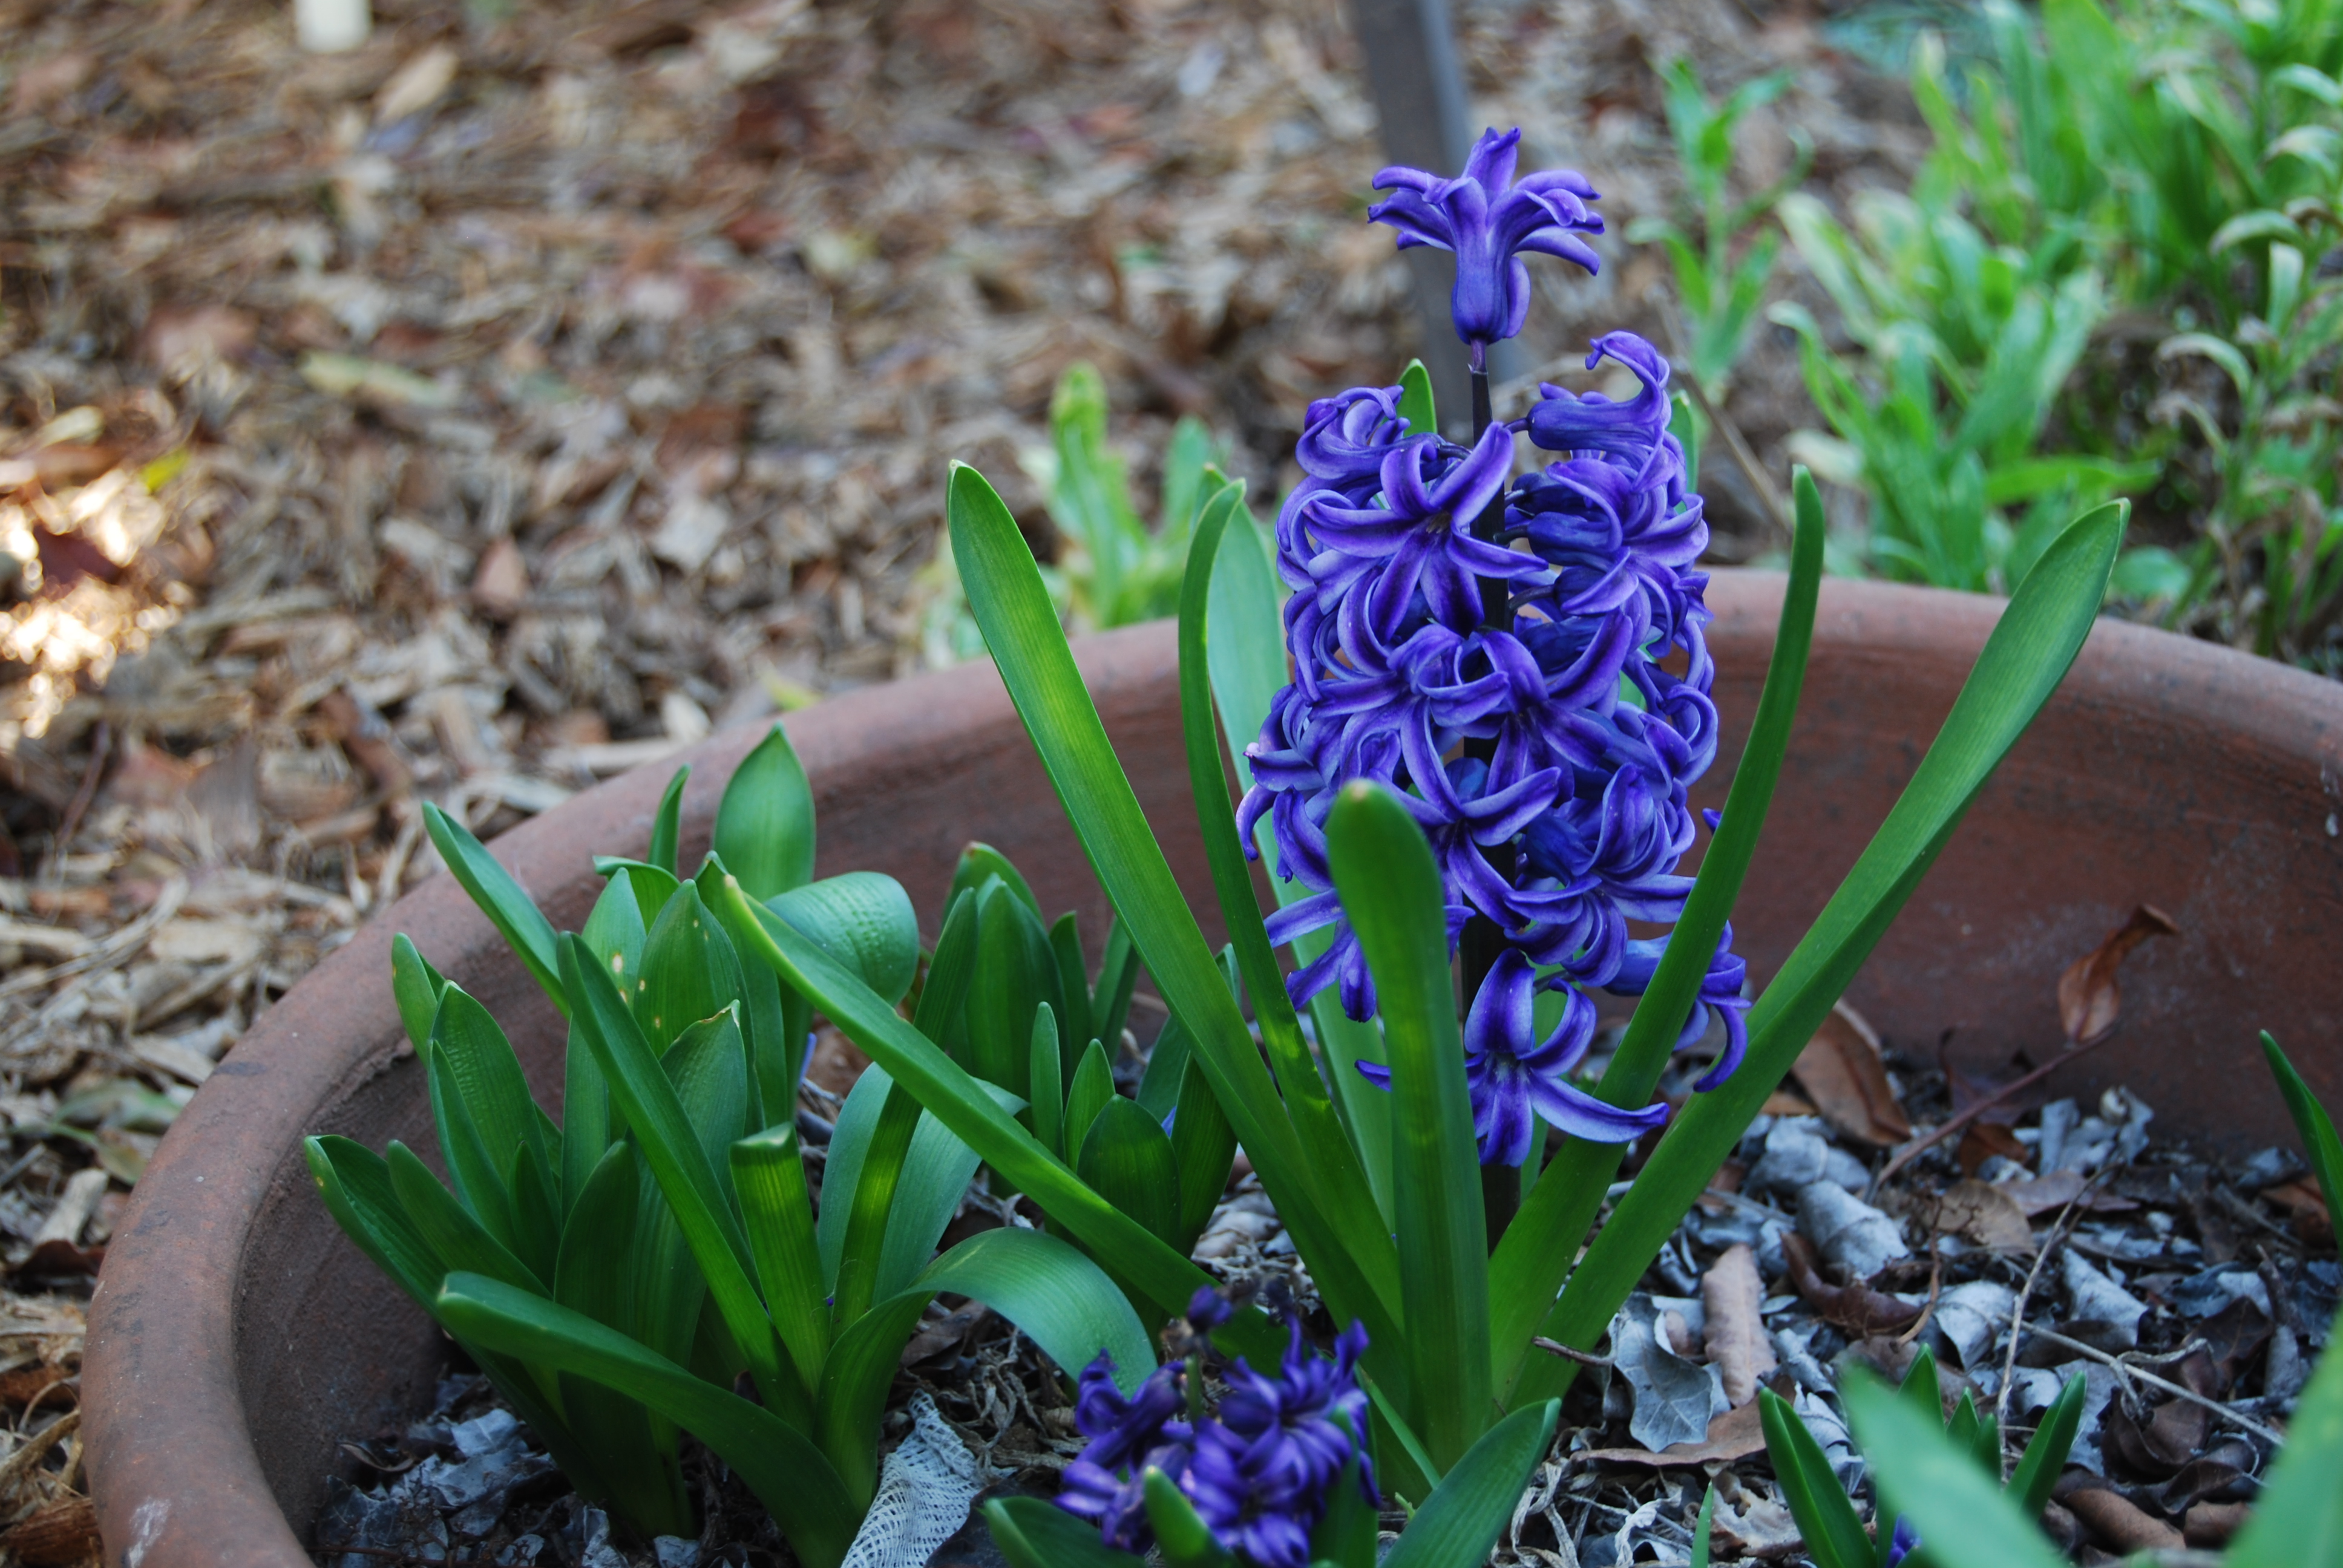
1985	1214
1736	1434
1842	1072
1982	1139
2307	1207
1737	1343
1857	1308
2089	1000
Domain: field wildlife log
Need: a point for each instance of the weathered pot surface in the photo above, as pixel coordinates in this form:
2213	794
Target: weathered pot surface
235	1337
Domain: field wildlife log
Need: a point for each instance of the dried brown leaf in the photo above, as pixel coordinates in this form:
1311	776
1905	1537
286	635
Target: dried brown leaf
1737	1343
1842	1072
1985	1214
2089	999
1736	1434
63	1531
1857	1308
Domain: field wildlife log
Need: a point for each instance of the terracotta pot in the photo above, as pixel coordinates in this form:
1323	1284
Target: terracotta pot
235	1337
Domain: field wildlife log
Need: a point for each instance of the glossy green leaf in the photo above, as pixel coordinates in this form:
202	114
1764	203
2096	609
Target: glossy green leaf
777	1213
869	1192
1535	1252
1204	1147
470	1166
1345	1533
1118	977
1391	894
1090	1093
2297	1519
765	823
1333	1162
1073	975
950	972
355	1185
1047	1076
936	1171
448	1227
849	1139
790	1476
1416	403
2021	665
1702	1530
980	863
653	885
500	897
866	919
2311	1123
1016	972
678	1159
1020	626
414	986
2044	1459
536	1210
482	1069
1833	1534
1032	1534
1126	1159
690	970
978	1119
1928	1478
1460	1521
667	825
1182	1536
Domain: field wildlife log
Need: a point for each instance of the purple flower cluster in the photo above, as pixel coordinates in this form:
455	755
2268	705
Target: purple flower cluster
1258	1472
1583	702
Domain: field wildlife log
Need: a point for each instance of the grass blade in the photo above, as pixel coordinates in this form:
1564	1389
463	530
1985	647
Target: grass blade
1928	1478
1833	1534
2320	1142
1459	1521
1535	1255
1392	895
2038	1467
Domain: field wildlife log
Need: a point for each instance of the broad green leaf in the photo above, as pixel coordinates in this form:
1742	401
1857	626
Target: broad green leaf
979	1119
861	1366
1126	1159
1091	1091
1180	1533
653	885
2317	1128
2044	1459
864	918
355	1185
1415	404
1032	1534
1924	1476
414	986
667	825
936	1171
1204	1147
2021	665
790	1476
1167	1069
535	1210
1118	975
1345	1535
1074	976
690	970
2297	1519
850	1139
769	1175
1047	1099
1333	1162
764	825
593	1278
1535	1255
1012	606
1835	1536
1459	1522
1392	895
869	1192
1015	973
1700	1531
472	1169
978	862
950	971
448	1227
500	897
480	1065
678	1160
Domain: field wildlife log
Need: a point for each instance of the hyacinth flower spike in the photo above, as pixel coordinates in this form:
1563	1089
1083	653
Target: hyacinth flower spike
1487	220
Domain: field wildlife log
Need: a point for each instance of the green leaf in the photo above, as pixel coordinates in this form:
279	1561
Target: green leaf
950	971
865	919
354	1181
2317	1128
536	1210
1032	1534
777	1213
1345	1535
667	825
1059	1298
1090	1093
764	825
2297	1521
1925	1477
867	1192
478	1179
1126	1159
1166	1071
1535	1252
414	986
980	863
1188	479
500	897
1074	976
1006	596
448	1227
1180	1533
690	970
1979	1434
678	1159
979	1119
2021	665
850	1139
1701	1531
1204	1147
1391	894
1415	404
1046	1101
653	885
2039	1467
936	1173
1459	1522
1016	972
1833	1534
789	1474
1118	976
480	1065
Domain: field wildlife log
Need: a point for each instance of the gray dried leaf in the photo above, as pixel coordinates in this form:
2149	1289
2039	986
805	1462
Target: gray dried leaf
1853	1236
1674	1398
1972	1317
2099	1310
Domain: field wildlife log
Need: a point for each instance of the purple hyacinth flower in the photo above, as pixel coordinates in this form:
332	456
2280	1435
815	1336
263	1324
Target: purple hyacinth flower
1415	538
1516	1078
1720	998
1106	1484
1487	220
1262	1470
1903	1542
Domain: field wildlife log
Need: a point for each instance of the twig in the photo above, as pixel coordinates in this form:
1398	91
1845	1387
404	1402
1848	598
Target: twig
1936	1289
1583	1358
2125	1368
2025	1291
1744	458
113	950
36	1446
1936	1135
